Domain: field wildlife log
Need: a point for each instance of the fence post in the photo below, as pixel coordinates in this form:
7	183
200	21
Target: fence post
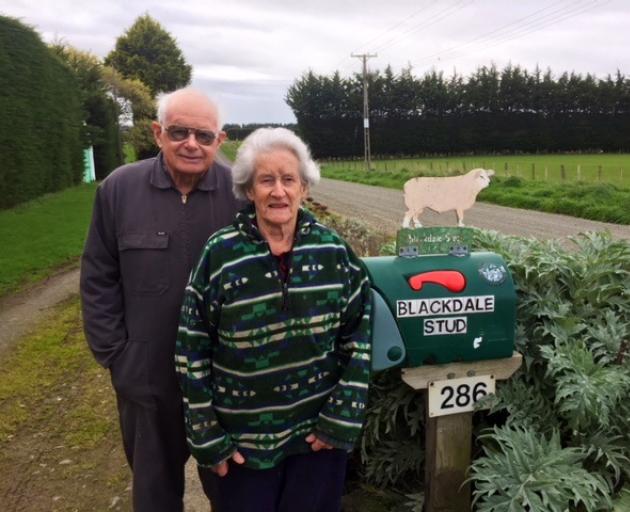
563	174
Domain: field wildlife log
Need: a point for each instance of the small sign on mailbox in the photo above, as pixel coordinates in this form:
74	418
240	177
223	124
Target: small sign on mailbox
432	240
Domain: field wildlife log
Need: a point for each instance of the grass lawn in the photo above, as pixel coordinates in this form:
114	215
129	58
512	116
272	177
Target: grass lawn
130	153
43	234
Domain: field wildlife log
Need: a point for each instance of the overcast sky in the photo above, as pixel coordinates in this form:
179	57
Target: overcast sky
246	53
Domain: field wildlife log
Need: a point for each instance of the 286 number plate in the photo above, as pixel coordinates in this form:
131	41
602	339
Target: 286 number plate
458	395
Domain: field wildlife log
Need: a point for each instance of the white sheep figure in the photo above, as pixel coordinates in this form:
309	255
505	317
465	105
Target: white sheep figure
443	194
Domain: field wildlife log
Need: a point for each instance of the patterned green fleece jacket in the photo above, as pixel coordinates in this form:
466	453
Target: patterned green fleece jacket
263	362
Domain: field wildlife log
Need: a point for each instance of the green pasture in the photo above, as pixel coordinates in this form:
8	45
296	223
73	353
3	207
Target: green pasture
560	168
229	148
43	234
541	188
130	153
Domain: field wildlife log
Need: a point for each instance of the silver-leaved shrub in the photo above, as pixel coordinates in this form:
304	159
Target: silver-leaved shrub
557	435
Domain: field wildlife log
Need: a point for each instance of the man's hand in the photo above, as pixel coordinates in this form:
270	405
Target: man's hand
221	468
317	444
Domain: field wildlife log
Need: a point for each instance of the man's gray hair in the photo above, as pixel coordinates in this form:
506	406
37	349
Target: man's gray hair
264	140
164	99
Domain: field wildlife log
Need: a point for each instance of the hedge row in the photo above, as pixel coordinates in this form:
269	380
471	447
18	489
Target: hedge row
41	130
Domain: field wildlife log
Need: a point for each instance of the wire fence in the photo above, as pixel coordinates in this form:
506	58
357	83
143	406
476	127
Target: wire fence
614	169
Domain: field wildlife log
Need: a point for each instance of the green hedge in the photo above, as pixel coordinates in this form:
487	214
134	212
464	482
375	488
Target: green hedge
41	128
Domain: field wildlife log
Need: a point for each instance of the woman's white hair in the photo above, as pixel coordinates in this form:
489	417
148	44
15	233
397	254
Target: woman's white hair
264	140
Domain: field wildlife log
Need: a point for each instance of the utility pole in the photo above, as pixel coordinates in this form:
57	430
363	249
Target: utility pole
366	110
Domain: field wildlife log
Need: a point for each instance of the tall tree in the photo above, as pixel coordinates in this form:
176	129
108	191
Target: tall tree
146	51
491	110
138	109
100	110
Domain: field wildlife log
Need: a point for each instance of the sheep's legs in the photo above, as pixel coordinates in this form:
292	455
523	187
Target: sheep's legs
460	217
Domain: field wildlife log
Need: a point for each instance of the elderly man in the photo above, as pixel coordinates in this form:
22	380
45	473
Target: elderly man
150	221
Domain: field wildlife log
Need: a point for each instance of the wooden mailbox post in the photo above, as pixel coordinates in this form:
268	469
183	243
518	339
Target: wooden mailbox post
449	436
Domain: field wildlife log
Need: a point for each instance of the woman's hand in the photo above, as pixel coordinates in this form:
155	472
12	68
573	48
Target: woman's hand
317	444
221	468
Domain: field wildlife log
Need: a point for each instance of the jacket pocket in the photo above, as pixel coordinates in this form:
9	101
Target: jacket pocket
144	262
130	373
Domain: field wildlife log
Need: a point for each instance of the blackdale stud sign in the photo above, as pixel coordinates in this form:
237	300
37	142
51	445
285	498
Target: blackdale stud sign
443	306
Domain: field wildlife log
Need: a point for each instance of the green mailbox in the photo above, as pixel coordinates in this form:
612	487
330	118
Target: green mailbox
440	308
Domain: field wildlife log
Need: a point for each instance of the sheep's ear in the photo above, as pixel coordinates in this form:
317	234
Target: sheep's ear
490	172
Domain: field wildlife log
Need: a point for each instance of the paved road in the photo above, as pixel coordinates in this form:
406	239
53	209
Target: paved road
383	208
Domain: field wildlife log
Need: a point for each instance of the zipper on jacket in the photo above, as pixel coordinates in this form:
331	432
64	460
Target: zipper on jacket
284	283
184	198
285	295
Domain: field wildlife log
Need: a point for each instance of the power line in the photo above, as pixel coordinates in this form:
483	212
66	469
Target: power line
432	20
504	35
545	24
537	20
392	27
490	34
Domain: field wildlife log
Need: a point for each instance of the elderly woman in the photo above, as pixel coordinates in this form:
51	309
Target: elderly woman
273	348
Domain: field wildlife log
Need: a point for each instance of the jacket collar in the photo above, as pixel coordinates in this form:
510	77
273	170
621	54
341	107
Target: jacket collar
246	224
161	178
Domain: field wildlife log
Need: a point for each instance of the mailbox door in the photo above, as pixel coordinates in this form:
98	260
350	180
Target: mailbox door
388	348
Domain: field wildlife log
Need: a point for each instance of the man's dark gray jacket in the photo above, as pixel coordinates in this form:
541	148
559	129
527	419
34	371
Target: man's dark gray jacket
143	241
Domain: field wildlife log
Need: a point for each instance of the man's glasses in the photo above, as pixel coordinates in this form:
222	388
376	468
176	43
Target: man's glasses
180	133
